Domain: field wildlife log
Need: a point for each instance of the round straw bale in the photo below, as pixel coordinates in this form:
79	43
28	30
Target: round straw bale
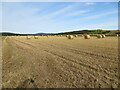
70	37
87	36
28	37
103	36
117	35
67	35
99	36
36	37
76	35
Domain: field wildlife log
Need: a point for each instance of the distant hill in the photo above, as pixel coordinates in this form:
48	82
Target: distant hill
44	33
16	34
92	32
13	34
8	34
111	32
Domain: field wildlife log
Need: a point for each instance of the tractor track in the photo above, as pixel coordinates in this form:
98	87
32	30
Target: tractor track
58	55
68	59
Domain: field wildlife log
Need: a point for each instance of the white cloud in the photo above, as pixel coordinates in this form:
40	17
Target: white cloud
77	13
105	25
19	11
33	22
102	25
60	0
101	15
24	13
95	16
90	3
108	25
59	12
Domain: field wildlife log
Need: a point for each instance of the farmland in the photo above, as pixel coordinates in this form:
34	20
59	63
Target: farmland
58	62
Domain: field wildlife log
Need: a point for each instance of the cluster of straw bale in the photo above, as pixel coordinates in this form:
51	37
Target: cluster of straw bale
100	36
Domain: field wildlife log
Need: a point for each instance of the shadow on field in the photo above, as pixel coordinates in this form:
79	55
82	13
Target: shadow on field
27	83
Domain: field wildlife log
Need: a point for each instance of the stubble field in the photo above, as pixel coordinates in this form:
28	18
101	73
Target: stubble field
58	62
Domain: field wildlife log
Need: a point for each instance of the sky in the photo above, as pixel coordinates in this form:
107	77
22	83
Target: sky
55	17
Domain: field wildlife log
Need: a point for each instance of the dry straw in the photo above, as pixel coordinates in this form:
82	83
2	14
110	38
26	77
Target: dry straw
76	35
36	37
87	36
70	37
67	35
103	36
28	37
99	36
117	35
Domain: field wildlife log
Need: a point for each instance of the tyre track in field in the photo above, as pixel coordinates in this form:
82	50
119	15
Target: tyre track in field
99	47
63	57
48	50
106	71
30	45
75	50
45	50
17	46
112	61
68	59
78	51
100	68
59	57
42	50
71	48
80	63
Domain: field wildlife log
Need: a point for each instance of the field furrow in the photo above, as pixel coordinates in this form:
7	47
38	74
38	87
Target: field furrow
55	62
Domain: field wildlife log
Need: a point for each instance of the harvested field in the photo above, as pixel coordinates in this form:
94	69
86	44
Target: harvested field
57	62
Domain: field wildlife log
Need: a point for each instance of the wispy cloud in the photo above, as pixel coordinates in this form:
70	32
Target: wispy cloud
58	12
102	25
59	0
106	25
76	13
61	11
26	12
97	16
57	17
90	3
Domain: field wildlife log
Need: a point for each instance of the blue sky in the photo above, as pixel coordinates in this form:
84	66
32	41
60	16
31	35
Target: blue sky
52	17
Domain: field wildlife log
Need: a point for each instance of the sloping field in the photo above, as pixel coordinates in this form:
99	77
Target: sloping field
57	62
